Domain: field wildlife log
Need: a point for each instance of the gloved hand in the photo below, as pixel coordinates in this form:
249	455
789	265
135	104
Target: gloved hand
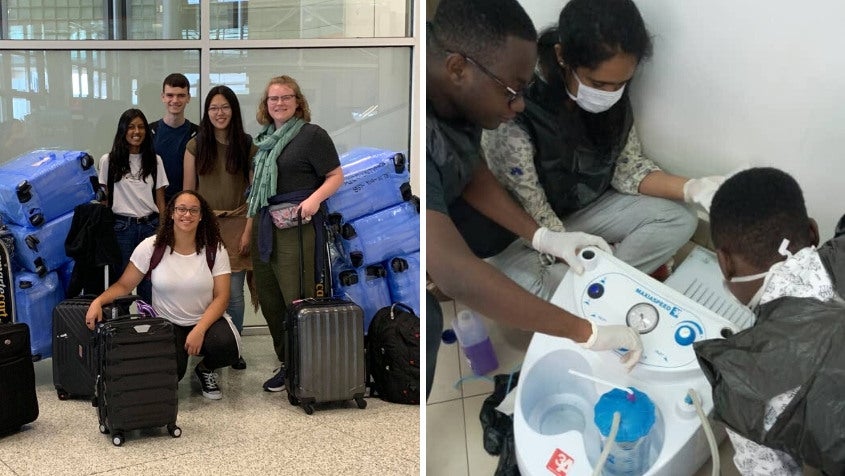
566	245
701	190
614	337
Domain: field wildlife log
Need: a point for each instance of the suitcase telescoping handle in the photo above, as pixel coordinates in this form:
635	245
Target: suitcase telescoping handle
119	304
301	253
320	292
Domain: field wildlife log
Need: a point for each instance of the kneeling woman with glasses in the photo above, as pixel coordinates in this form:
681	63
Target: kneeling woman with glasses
189	290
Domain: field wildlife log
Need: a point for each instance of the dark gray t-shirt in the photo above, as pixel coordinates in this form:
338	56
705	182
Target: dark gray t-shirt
305	161
453	150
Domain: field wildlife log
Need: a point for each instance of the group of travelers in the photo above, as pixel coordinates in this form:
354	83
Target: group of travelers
193	192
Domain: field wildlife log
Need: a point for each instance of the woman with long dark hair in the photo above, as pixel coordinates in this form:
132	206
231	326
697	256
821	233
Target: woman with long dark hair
573	159
134	179
191	287
217	164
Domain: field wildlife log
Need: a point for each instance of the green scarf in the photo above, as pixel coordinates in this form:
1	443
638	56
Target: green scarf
270	142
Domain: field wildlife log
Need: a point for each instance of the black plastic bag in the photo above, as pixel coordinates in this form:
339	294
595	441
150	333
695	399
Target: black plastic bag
498	427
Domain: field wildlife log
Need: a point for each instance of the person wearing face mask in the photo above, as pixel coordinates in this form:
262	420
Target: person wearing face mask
777	386
573	158
480	55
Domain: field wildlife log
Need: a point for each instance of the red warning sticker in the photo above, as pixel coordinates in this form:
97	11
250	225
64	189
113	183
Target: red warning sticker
560	463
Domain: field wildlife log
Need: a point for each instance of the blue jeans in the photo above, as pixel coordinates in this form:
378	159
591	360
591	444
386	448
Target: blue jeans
236	300
130	232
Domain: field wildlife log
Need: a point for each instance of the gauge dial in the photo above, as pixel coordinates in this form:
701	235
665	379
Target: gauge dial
642	317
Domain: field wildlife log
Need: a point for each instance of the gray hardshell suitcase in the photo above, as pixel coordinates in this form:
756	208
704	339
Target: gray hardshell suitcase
324	355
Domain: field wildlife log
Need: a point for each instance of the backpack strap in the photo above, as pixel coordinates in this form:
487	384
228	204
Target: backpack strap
158	254
155	259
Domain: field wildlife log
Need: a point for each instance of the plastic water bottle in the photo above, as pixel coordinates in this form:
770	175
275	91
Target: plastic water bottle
631	450
475	342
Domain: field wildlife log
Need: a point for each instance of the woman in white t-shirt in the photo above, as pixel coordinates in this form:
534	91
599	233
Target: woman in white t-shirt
191	287
134	179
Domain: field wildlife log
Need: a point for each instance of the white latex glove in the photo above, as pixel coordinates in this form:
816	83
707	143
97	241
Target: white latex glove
701	190
566	245
614	337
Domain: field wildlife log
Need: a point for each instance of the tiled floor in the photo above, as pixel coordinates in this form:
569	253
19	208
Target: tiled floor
249	431
453	430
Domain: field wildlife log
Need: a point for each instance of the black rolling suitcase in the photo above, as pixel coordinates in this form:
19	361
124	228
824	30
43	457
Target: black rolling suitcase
74	350
18	402
324	356
75	363
137	383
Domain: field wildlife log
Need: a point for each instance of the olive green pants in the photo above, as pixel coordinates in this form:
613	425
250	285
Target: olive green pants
277	282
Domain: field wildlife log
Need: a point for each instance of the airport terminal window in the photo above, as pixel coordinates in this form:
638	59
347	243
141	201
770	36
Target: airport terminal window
66	86
180	19
285	19
359	95
100	20
81	112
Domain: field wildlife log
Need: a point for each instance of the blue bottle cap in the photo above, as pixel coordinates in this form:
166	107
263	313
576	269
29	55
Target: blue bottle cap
449	336
637	414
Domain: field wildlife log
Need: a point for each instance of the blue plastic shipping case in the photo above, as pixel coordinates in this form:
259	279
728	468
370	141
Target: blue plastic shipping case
386	233
43	185
42	249
373	179
35	298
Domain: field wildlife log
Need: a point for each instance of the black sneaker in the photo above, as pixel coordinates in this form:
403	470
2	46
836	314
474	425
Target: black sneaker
240	364
276	383
208	382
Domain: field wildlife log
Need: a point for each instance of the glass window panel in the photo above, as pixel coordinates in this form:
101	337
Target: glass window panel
359	95
73	99
90	20
287	19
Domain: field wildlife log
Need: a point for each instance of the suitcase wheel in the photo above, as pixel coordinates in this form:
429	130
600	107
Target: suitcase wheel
362	404
117	439
293	400
103	429
174	430
309	408
62	394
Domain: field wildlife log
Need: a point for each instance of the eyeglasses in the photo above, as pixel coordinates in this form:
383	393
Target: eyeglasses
511	93
215	109
285	98
183	210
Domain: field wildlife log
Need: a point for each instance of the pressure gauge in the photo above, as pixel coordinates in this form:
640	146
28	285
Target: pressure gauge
642	317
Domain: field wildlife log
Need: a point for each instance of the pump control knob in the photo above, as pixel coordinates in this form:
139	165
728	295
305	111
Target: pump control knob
685	335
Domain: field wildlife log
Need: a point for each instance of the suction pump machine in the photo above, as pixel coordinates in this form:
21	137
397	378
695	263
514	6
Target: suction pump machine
579	413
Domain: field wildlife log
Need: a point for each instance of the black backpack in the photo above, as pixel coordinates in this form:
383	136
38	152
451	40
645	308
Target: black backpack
393	354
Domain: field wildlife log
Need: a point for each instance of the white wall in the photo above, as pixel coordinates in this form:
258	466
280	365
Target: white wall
735	84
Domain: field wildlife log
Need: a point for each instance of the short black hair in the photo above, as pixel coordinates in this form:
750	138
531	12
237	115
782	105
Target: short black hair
754	210
478	27
593	31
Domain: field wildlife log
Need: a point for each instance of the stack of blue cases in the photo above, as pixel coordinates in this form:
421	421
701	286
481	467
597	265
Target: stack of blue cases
375	218
366	286
38	192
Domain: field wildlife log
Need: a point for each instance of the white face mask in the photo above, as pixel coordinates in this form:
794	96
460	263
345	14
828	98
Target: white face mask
755	299
592	99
